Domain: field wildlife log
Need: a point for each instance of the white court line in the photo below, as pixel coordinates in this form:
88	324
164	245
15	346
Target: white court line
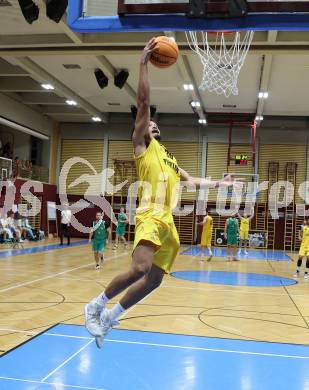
209	349
17	331
55	275
164	346
50	383
66	361
190	348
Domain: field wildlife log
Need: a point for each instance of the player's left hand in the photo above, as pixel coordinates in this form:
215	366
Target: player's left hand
148	50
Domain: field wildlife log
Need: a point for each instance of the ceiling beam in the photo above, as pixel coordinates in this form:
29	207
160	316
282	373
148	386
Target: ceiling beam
291	49
42	76
7	69
19	84
43	40
187	77
264	83
42	98
272	36
75	37
63	110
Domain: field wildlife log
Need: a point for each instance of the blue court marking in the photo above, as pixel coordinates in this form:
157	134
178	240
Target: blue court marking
234	278
37	249
253	254
62	358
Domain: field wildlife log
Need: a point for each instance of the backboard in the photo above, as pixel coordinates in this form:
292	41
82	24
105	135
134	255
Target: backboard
92	16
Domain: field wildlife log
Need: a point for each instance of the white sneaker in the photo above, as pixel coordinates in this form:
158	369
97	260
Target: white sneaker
246	253
92	317
97	267
106	324
296	275
306	276
228	258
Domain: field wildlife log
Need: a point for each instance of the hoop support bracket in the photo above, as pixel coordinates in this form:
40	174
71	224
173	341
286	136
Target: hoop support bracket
214	9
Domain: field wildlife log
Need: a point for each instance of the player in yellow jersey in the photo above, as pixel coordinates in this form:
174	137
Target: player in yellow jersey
244	232
304	249
207	235
156	239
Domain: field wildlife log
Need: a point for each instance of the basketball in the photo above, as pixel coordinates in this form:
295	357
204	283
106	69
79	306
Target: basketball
166	53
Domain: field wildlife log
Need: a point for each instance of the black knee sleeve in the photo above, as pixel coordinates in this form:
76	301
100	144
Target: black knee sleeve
299	262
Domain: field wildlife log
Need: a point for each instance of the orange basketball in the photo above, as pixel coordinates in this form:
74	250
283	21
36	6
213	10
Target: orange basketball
166	53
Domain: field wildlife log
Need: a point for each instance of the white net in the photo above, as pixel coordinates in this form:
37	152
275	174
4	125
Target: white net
222	59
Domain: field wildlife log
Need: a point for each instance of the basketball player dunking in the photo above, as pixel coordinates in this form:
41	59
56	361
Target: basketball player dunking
156	239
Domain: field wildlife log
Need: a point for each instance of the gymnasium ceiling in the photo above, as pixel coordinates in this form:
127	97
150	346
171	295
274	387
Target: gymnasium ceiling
278	63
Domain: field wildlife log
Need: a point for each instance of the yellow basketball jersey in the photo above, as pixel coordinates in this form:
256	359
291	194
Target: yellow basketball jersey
244	224
159	171
208	224
305	239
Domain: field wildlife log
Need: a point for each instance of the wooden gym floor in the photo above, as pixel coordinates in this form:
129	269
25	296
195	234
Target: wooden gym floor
49	285
44	288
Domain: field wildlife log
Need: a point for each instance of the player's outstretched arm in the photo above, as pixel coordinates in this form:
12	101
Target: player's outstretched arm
251	213
143	100
199	182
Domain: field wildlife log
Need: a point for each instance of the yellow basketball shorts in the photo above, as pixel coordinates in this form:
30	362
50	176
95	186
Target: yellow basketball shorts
206	238
244	234
304	250
162	233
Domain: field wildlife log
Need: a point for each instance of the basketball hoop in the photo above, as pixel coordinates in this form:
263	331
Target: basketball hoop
221	59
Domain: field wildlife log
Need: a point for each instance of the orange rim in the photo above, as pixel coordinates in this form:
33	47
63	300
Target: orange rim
221	32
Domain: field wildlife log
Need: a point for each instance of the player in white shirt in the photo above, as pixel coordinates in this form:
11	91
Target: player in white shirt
66	216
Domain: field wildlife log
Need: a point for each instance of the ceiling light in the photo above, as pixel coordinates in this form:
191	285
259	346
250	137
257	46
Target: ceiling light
195	104
30	10
71	102
188	87
47	86
96	119
263	95
259	118
202	121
